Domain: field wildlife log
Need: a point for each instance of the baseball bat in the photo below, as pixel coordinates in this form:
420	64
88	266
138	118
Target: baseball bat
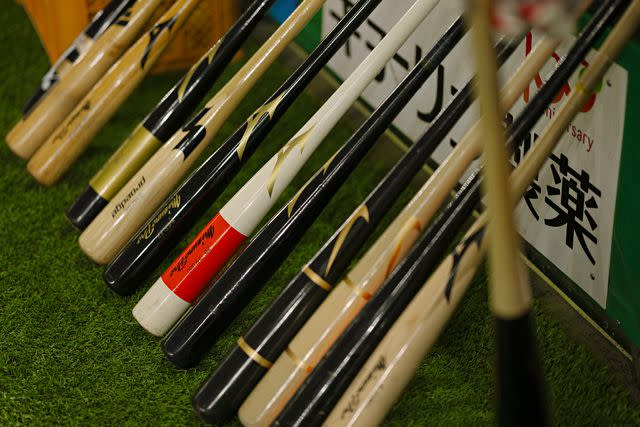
164	120
138	199
368	399
43	119
153	241
74	134
100	22
520	384
192	270
361	337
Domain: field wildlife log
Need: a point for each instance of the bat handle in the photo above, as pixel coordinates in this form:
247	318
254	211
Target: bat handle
522	394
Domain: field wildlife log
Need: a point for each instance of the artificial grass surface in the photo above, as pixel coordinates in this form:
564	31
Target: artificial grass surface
71	353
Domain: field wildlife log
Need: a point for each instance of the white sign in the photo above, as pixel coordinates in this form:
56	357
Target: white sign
567	214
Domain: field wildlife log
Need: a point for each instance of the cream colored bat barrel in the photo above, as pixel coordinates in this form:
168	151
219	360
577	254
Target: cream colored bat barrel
417	329
75	133
350	295
128	209
34	129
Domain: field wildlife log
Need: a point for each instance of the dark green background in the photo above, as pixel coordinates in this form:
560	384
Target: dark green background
70	352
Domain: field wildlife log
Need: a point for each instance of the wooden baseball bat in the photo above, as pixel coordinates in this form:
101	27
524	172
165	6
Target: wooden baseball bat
362	336
137	200
209	251
520	384
153	241
164	120
43	119
253	267
75	133
78	48
417	329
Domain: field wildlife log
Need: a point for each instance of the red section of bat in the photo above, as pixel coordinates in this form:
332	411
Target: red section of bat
202	259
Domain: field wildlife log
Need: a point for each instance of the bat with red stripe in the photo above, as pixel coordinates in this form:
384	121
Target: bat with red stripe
352	348
100	22
153	241
74	134
43	119
164	120
203	258
147	189
374	391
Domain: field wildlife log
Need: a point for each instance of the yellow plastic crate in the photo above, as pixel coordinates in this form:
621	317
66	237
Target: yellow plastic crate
58	22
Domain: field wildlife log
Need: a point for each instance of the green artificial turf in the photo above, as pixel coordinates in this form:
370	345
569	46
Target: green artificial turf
71	353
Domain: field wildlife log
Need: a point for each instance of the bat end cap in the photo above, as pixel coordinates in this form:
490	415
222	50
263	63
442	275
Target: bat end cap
159	309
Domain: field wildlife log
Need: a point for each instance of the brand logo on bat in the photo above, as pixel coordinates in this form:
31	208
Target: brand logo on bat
253	120
154	33
208	234
361	212
297	141
354	399
473	240
147	232
323	172
195	134
200	66
125	17
123	203
73	120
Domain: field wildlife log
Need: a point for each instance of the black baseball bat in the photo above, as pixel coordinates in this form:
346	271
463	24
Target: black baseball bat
165	119
162	231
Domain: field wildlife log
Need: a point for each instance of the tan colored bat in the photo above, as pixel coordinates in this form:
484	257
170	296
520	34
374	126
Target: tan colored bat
128	210
350	295
75	133
35	128
417	329
519	379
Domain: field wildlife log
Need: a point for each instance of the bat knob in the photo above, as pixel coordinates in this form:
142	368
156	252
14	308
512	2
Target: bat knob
222	393
85	208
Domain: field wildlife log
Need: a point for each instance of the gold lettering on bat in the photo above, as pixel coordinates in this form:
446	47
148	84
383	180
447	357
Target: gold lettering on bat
187	78
150	228
361	212
295	198
297	141
253	120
